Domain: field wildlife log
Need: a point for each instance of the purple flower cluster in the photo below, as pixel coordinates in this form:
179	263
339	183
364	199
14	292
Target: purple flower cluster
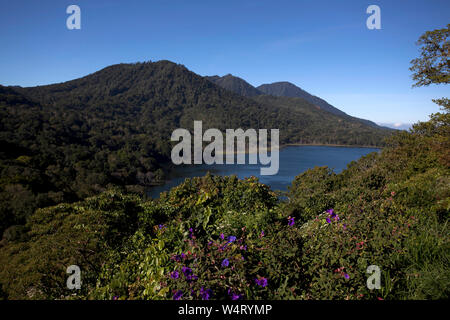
189	274
205	293
333	215
261	282
178	295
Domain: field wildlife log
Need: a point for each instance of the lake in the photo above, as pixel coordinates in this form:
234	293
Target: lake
293	161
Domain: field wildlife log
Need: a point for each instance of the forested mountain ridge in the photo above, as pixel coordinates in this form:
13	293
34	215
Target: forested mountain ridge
282	89
66	141
287	89
235	84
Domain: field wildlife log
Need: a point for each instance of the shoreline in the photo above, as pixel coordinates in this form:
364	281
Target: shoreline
329	145
307	144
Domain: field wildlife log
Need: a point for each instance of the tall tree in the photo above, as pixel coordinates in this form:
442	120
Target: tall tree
432	67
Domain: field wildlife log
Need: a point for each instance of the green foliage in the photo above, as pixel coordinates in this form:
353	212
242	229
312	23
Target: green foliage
310	193
68	234
434	64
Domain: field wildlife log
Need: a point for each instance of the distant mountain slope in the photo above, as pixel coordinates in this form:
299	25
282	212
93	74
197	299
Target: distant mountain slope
282	89
235	84
287	89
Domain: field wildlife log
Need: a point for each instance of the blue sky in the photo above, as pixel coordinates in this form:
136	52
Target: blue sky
322	46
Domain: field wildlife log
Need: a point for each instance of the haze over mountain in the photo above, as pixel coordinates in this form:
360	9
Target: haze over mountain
397	126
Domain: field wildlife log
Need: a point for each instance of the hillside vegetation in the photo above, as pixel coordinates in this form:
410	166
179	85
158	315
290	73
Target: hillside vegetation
67	141
224	238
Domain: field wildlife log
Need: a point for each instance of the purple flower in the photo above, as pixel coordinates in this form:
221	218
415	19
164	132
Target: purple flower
225	262
186	271
230	240
191	277
346	276
261	282
174	275
262	233
205	294
234	296
222	236
291	221
328	220
161	226
191	232
243	247
116	298
178	295
333	214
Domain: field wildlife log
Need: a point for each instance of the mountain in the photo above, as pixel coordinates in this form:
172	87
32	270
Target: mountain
281	89
287	89
67	141
235	84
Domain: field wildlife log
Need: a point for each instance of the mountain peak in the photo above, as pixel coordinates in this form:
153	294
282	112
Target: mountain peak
235	84
287	89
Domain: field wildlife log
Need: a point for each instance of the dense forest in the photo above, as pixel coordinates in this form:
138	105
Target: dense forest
215	237
64	142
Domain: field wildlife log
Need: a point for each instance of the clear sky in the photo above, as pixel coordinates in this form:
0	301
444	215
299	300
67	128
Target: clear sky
322	46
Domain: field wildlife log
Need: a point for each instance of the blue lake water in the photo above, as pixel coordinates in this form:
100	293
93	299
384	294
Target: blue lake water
293	161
